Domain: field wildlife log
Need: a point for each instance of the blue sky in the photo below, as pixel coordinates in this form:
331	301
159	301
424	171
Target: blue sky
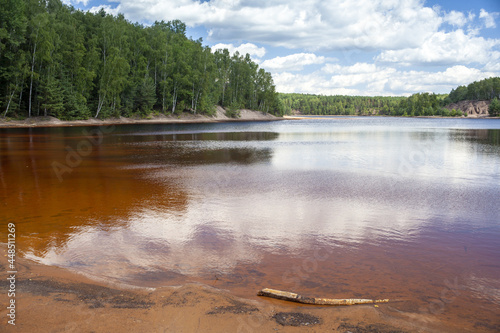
342	47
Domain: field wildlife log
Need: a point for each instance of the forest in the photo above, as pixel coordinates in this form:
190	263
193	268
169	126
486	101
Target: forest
62	62
420	104
480	90
340	105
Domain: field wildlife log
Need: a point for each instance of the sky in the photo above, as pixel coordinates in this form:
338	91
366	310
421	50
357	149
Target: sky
341	47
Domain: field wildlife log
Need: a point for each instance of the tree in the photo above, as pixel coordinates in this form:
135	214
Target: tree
494	108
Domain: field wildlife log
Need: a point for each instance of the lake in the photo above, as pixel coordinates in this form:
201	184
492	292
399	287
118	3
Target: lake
400	208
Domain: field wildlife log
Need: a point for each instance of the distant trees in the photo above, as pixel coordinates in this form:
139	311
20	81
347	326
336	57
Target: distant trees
339	105
424	104
420	104
62	62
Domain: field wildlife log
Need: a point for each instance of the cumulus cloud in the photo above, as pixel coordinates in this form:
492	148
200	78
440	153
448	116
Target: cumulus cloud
75	2
371	80
311	24
398	33
292	62
456	47
310	84
489	18
442	82
243	49
358	68
455	18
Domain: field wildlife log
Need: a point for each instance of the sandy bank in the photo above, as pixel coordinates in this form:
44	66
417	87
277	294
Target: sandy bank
473	108
245	115
50	299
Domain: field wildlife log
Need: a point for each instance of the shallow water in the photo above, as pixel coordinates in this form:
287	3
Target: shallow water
338	207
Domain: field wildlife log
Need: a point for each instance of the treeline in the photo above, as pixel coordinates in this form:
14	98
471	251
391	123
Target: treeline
59	61
339	105
425	104
421	104
480	90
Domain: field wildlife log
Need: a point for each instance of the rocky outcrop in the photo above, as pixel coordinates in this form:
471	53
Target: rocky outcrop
473	108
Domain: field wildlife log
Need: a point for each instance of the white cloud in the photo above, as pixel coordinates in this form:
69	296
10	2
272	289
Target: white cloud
107	8
75	2
399	33
358	68
310	24
489	18
292	62
455	18
371	80
243	49
471	16
443	48
309	84
439	82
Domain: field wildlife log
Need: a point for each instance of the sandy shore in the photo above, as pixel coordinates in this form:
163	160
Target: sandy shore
50	299
245	115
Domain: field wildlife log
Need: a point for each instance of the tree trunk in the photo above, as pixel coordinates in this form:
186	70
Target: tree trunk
192	99
31	81
10	99
174	99
164	76
100	104
21	95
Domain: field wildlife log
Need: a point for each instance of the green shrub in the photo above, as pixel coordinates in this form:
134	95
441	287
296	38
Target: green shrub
494	108
232	111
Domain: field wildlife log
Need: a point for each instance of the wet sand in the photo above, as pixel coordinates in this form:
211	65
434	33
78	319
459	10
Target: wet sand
50	299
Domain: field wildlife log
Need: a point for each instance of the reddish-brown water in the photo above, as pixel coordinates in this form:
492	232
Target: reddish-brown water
374	208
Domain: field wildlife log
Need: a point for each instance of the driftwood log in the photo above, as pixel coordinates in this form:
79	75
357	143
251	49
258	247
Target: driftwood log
288	296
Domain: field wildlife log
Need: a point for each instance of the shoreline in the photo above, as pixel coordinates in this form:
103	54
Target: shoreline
247	116
185	118
51	299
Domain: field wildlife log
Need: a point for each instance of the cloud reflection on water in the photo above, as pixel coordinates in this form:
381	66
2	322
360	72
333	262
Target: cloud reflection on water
248	194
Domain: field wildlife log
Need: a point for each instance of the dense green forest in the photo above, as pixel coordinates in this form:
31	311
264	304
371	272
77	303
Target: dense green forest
481	90
340	105
421	104
59	61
